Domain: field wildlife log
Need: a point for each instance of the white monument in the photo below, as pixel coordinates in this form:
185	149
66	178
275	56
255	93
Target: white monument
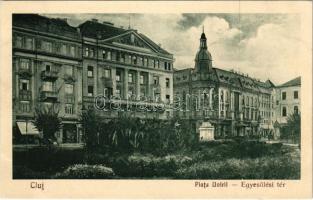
206	131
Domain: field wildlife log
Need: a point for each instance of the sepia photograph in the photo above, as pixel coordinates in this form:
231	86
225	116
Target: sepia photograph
156	96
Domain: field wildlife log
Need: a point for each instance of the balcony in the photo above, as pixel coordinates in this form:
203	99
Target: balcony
49	75
229	114
238	115
25	73
25	95
107	82
48	96
155	87
69	99
69	78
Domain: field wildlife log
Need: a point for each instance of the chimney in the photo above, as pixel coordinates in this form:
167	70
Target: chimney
94	20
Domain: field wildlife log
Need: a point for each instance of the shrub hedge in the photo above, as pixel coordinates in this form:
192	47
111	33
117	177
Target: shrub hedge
282	167
85	172
148	166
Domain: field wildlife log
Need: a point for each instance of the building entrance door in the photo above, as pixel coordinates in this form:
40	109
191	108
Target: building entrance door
69	133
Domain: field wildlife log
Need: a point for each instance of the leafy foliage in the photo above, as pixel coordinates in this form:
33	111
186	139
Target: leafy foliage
128	135
47	121
292	130
83	171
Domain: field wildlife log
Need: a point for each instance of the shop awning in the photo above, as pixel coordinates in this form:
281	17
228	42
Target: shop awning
27	128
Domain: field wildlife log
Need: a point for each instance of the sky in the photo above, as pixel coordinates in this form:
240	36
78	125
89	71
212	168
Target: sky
264	46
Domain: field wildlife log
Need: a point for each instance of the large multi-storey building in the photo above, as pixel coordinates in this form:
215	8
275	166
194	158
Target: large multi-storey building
235	104
57	65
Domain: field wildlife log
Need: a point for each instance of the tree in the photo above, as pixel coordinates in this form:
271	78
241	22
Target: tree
47	121
294	127
90	122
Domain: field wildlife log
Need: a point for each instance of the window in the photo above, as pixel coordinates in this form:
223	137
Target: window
165	65
142	79
87	51
284	112
122	57
63	49
118	76
92	53
90	71
72	51
69	89
103	54
19	41
118	92
157	64
108	92
167	82
29	43
69	109
107	73
295	95
46	46
130	93
169	66
48	68
109	55
283	95
47	86
24	84
134	60
24	106
69	70
296	109
24	64
90	90
130	77
167	98
156	80
145	62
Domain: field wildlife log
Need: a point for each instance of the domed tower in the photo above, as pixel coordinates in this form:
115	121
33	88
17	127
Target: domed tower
203	60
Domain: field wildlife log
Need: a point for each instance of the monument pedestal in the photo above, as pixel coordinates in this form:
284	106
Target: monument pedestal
206	131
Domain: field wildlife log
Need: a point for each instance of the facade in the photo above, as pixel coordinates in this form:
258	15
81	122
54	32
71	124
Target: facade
288	98
64	67
127	65
233	103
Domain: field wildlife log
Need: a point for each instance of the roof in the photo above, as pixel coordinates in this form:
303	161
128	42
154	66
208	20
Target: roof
94	29
293	82
97	30
44	24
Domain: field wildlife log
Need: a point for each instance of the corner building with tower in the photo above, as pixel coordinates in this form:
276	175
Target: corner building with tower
229	103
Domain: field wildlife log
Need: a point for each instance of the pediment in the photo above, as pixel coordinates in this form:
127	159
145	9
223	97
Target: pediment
132	40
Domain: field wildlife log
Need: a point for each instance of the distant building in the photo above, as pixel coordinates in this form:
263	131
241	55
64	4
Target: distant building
288	98
235	104
57	65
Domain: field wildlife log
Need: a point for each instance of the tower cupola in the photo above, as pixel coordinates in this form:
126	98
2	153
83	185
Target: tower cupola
203	60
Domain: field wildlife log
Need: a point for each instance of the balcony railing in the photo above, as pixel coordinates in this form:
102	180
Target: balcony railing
25	95
24	73
51	75
107	81
48	95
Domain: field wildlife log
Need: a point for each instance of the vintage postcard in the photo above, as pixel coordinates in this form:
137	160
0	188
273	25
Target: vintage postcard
140	99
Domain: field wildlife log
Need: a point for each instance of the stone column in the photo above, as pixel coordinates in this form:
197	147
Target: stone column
113	76
137	85
125	86
149	81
